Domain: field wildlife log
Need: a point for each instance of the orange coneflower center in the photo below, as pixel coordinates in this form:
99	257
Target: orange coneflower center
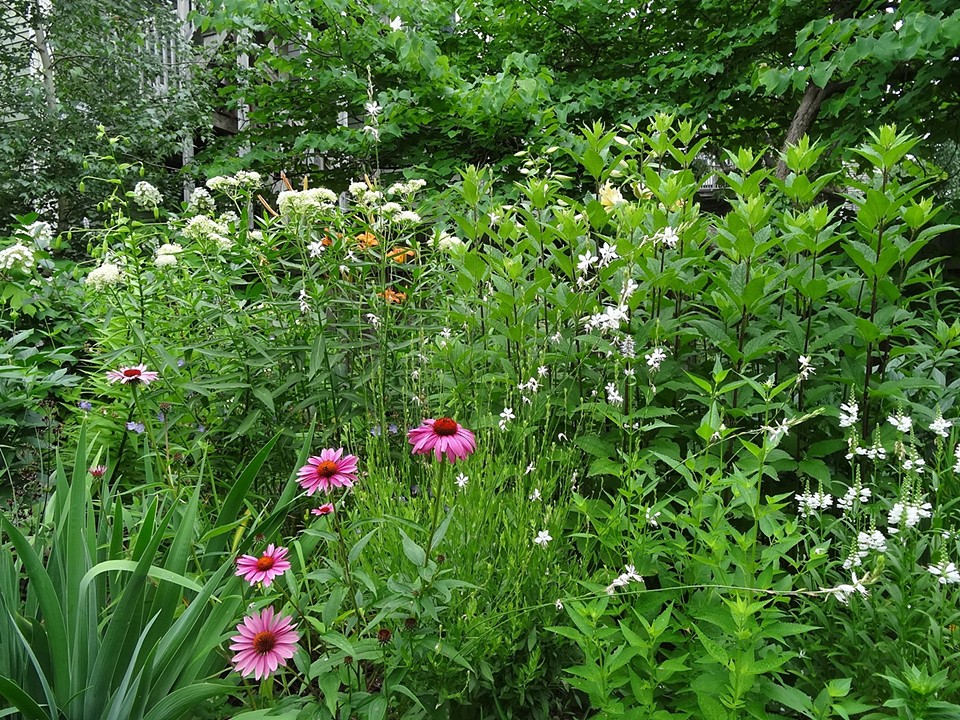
327	469
264	642
445	426
265	563
132	372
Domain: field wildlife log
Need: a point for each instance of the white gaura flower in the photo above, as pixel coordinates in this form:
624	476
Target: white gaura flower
613	394
542	538
628	576
535	495
845	591
655	357
586	261
505	417
608	253
806	368
462	481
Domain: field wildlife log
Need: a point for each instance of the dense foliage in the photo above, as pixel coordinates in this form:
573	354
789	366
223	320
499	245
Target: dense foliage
68	69
714	471
475	82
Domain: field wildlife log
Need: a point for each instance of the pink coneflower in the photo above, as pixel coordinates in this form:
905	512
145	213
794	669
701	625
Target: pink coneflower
98	471
324	509
443	435
138	374
265	642
330	469
265	568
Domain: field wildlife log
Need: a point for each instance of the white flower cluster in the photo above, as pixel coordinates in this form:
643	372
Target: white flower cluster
849	414
505	417
946	572
406	188
627	347
667	236
651	517
586	261
167	255
306	204
610	196
613	394
874	452
449	243
629	288
655	358
806	368
941	426
104	276
530	386
609	319
844	592
17	255
628	576
811	502
146	195
236	184
304	301
903	423
364	194
201	228
608	253
866	541
201	203
908	515
956	454
41	233
853	494
915	463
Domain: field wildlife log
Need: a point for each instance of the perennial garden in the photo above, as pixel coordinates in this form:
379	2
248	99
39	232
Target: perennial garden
566	447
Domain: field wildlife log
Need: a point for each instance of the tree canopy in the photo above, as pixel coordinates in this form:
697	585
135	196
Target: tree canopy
475	82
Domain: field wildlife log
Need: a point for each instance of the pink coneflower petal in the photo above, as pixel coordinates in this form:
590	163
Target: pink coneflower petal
136	375
443	436
265	568
330	469
265	643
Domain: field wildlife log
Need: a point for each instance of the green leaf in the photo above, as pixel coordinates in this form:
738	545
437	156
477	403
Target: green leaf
414	552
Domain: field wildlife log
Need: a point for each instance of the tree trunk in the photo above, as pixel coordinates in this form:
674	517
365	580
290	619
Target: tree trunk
813	98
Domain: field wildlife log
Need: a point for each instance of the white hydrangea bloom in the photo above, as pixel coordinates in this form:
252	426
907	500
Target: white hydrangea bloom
104	276
41	232
17	255
146	195
201	203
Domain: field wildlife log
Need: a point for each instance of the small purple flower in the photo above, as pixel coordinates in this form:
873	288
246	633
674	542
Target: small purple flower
393	429
376	431
181	362
161	417
85	405
136	427
201	429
